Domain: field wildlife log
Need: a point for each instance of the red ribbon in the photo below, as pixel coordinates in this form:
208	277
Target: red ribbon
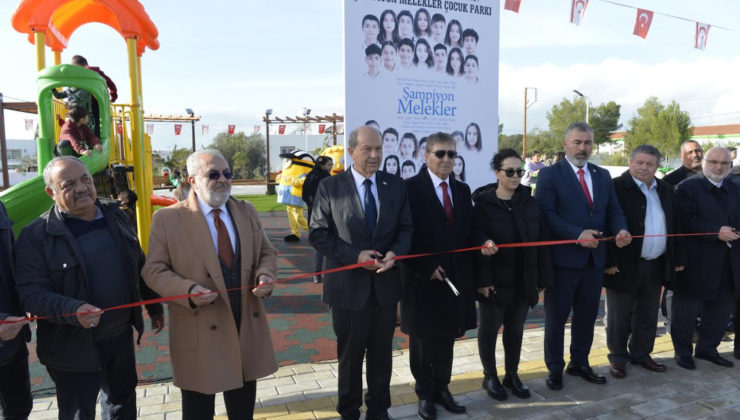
351	267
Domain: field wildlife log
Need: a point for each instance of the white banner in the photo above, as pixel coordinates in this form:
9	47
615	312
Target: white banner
414	71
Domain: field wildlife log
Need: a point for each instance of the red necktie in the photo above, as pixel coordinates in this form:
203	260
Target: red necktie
585	187
448	202
225	251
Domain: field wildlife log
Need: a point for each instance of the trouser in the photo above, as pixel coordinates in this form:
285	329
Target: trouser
431	364
714	317
492	317
77	392
64	148
633	318
318	261
371	329
239	403
297	220
15	387
578	289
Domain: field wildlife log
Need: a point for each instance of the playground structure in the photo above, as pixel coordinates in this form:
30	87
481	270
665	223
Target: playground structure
128	153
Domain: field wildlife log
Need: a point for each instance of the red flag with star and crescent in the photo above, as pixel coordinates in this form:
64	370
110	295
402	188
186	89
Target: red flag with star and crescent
178	129
577	10
232	129
281	129
642	24
513	5
204	129
322	128
702	33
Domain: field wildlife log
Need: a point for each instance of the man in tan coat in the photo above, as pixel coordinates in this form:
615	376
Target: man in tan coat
219	342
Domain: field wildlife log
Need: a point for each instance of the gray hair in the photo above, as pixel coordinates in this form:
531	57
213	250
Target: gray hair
646	149
49	169
194	161
439	138
680	149
578	126
353	136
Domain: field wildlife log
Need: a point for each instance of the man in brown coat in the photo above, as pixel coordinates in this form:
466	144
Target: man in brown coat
219	342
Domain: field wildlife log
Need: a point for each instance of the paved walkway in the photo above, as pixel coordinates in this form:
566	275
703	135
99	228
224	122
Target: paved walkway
308	391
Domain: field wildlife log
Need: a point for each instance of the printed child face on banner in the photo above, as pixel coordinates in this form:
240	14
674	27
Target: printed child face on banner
389	56
422	54
405	25
422	22
455	63
459	138
438	30
440	58
471	69
389	24
390	142
371	29
406	53
373	64
408	169
459	169
470	42
454	30
407	148
391	165
473	139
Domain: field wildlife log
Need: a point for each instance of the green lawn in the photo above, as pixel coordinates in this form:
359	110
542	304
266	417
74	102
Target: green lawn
263	202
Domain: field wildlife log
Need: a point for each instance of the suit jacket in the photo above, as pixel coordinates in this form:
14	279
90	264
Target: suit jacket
704	209
677	176
568	214
338	231
208	354
10	305
428	307
634	204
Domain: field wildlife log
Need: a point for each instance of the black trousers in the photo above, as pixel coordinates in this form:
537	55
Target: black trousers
633	318
578	289
714	318
431	364
77	392
15	387
492	317
239	403
370	329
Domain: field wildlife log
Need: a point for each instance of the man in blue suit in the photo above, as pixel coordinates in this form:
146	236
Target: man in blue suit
579	202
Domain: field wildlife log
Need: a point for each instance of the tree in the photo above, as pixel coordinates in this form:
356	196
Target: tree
178	159
510	142
604	119
246	156
664	127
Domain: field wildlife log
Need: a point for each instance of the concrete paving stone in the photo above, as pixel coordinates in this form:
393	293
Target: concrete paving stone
403	411
220	409
310	405
175	415
271	383
156	390
219	399
654	407
557	415
479	396
471	367
715	390
402	380
44	415
300	369
327	383
282	399
314	376
266	392
605	406
402	370
647	381
321	366
665	390
303	386
458	362
42	405
625	414
140	391
159	416
153	400
587	396
164	408
271	412
688	412
399	363
281	373
616	387
298	416
322	393
725	415
723	403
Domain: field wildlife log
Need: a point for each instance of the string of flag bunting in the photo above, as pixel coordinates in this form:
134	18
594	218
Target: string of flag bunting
643	19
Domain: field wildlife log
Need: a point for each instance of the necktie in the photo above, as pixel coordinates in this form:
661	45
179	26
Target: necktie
225	251
447	202
585	187
371	210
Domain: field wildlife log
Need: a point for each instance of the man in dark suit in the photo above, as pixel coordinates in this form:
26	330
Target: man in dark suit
636	274
359	216
691	156
579	203
432	314
707	203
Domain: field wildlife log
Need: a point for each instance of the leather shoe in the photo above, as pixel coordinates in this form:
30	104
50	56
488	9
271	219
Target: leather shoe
651	365
383	416
444	398
517	387
686	362
555	381
715	358
587	374
737	354
494	389
427	410
618	370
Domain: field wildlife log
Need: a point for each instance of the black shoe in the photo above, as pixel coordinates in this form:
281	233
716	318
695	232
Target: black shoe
383	416
494	389
427	410
587	374
714	358
291	238
317	279
737	354
516	385
444	398
555	381
685	362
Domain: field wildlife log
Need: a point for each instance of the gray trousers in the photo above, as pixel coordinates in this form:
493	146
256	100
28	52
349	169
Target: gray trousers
633	318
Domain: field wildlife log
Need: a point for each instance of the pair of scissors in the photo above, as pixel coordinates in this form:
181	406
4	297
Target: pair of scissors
452	286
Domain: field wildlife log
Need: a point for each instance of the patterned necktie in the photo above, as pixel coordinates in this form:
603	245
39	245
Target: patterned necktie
585	187
448	202
225	251
371	210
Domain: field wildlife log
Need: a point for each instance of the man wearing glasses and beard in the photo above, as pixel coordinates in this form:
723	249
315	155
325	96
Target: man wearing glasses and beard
209	245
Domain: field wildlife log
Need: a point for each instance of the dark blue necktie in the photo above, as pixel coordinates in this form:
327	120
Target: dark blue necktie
371	211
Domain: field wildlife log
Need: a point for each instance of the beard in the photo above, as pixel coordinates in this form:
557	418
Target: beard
213	198
714	177
578	161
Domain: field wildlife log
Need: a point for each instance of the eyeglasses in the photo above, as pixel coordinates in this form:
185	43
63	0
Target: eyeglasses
215	175
717	162
510	172
440	154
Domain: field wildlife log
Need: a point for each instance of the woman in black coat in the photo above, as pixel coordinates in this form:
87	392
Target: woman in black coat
321	170
509	282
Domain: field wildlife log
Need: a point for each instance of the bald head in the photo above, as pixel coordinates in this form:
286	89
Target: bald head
717	163
366	150
70	184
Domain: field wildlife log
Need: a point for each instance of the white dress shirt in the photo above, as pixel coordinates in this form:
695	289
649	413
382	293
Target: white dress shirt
437	181
359	183
225	218
652	248
586	176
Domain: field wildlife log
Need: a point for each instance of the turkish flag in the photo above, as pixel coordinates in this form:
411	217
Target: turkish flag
513	5
281	129
257	129
642	24
322	128
178	129
577	10
204	129
702	33
119	128
29	125
150	129
232	129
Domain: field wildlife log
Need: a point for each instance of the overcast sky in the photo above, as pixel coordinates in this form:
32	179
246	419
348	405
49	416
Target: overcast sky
231	60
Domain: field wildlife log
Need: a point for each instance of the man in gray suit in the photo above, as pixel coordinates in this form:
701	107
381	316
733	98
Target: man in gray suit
363	215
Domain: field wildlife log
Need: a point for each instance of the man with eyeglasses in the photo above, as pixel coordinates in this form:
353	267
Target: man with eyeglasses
579	203
707	203
438	303
213	248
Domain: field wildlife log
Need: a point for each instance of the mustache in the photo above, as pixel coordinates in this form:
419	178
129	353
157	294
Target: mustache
77	196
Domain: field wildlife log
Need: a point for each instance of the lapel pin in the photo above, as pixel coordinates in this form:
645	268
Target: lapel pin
384	183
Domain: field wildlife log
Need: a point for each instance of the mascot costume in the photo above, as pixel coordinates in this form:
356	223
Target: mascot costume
336	153
296	165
